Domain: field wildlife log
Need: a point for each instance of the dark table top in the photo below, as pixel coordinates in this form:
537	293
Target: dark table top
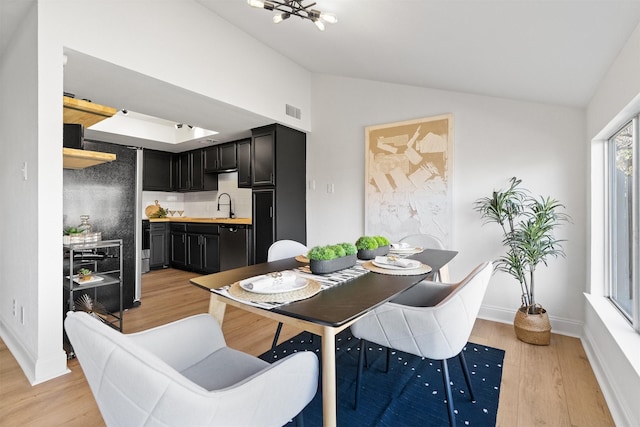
341	303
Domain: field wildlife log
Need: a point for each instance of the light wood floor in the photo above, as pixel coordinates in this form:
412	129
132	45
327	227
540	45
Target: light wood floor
541	386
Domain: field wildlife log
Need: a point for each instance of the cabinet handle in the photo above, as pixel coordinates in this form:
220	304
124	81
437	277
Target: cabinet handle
270	211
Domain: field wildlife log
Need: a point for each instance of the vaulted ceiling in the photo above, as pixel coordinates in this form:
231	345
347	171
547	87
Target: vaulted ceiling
545	51
548	51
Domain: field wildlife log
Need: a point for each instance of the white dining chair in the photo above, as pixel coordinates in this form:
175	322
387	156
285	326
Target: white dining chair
183	374
282	249
428	241
432	320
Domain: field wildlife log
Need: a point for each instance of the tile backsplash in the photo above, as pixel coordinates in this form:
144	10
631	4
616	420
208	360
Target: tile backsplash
204	204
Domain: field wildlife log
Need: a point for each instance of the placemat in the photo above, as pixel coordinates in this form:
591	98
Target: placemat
423	269
310	290
302	258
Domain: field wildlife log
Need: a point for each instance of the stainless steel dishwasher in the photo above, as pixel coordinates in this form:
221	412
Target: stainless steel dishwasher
235	245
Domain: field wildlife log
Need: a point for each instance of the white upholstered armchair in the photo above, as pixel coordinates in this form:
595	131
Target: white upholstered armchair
183	374
431	319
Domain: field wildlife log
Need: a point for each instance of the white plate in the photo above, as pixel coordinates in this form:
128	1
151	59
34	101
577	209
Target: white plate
413	264
403	250
277	288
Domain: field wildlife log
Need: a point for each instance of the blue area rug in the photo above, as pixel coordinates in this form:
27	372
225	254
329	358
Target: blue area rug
411	393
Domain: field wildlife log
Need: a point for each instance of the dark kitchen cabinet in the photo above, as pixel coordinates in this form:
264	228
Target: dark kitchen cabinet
178	243
243	152
157	171
189	169
159	245
278	159
263	151
220	158
203	248
263	223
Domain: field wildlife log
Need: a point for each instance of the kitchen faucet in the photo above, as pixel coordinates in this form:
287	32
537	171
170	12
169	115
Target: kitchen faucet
231	214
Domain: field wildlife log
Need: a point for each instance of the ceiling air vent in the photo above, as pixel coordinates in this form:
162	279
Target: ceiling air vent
293	111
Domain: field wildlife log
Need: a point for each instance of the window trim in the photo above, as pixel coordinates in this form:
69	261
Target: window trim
609	154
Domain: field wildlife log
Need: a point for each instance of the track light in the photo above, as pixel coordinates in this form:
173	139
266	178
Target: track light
297	8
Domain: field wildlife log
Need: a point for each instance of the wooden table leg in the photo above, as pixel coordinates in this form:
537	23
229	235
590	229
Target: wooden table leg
217	308
329	392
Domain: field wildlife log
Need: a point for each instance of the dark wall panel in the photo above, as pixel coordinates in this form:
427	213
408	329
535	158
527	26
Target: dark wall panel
107	194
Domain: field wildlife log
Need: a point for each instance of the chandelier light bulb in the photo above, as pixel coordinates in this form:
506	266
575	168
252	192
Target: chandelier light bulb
256	3
319	24
329	17
279	18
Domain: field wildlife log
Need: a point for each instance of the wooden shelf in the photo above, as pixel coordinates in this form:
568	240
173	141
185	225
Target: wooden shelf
80	159
84	112
87	114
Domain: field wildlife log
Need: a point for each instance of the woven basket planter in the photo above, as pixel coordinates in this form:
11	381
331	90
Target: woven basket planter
372	253
324	267
532	328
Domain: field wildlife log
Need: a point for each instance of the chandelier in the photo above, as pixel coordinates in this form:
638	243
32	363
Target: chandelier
292	7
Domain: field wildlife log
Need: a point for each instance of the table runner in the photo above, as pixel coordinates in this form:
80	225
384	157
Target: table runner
325	281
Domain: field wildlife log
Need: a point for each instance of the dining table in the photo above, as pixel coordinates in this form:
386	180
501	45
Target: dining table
329	311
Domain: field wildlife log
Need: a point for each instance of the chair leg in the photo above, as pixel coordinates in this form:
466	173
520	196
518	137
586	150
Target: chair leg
277	335
447	389
386	368
299	420
465	371
363	344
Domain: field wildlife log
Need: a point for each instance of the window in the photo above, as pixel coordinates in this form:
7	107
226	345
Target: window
623	221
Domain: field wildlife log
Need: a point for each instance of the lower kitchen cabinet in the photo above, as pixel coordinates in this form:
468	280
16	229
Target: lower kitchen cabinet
195	247
178	237
203	252
159	245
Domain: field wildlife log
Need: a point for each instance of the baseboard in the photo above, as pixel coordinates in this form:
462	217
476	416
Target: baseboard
559	325
22	356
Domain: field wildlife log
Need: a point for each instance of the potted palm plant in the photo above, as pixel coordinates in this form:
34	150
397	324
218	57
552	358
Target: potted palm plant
528	224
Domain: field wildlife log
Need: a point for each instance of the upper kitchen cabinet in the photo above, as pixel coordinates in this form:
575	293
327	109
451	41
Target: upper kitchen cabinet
277	153
220	158
189	169
243	152
157	171
263	156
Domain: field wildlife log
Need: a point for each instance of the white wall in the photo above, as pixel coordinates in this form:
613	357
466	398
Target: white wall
32	214
166	41
613	347
186	45
494	139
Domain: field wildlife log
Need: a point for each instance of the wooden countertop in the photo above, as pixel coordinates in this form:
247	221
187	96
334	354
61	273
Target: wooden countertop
245	221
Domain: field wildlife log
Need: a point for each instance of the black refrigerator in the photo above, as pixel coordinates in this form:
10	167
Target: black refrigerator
107	193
